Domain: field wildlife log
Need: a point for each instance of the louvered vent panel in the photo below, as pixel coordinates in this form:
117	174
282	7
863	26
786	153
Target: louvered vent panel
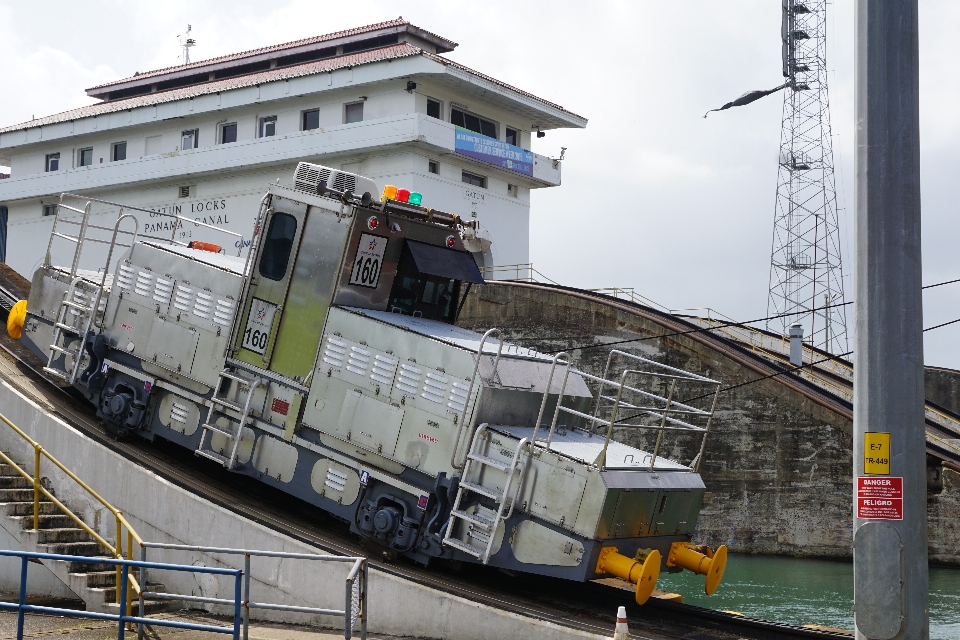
358	361
125	277
458	396
223	314
203	305
336	480
144	283
408	380
434	388
182	298
383	368
335	352
163	290
179	413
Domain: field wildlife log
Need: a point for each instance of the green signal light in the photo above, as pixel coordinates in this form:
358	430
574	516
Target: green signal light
415	198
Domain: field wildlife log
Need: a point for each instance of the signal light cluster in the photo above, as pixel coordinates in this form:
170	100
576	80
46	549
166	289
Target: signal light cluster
390	192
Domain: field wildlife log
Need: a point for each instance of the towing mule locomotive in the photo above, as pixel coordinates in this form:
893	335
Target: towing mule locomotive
326	362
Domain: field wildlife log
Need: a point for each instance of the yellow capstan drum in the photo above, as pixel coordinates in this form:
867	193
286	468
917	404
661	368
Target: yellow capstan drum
18	314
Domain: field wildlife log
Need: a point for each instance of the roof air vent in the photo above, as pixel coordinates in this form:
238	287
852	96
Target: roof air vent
309	176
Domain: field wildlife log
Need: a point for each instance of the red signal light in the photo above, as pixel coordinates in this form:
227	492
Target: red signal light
372	223
451	242
403	195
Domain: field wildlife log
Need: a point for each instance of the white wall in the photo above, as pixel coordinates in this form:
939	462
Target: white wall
40	582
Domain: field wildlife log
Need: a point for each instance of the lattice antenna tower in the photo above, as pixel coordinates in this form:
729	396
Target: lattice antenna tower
806	273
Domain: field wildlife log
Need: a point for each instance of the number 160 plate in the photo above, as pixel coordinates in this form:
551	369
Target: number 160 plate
369	260
259	322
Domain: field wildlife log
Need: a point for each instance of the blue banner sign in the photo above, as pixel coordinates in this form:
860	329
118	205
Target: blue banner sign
486	149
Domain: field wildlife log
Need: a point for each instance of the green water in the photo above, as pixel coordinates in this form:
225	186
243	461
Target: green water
806	592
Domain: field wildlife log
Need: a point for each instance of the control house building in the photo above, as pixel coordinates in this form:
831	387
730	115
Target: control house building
204	139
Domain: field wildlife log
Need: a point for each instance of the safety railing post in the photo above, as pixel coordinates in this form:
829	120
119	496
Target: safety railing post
127	584
23	595
36	486
237	596
348	609
663	423
118	553
121	625
246	595
143	586
363	602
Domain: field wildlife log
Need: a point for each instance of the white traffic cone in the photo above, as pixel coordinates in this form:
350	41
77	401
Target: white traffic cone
621	632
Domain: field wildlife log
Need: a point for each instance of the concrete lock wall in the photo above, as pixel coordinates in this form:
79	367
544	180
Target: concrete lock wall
777	466
162	512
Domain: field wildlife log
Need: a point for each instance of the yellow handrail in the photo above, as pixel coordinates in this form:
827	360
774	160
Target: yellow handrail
38	490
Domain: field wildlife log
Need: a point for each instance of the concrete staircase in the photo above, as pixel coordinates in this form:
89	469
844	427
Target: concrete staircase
93	583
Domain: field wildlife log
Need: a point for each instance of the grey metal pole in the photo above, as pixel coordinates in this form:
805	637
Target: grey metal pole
890	554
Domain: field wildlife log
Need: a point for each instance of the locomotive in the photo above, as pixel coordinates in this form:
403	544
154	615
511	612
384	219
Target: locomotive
326	362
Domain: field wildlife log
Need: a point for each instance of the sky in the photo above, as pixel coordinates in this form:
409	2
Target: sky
654	196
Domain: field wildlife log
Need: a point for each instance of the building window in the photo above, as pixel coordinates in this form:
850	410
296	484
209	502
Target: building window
513	190
434	109
119	151
353	112
433	166
311	119
185	191
190	139
84	158
474	179
53	161
268	126
228	133
473	122
512	137
49	209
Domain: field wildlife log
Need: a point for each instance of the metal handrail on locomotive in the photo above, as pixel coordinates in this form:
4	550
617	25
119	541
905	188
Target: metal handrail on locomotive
327	363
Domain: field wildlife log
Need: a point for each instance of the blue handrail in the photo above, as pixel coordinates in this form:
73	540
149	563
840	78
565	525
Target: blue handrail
22	607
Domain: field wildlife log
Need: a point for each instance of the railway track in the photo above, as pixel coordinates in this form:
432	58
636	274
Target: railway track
584	606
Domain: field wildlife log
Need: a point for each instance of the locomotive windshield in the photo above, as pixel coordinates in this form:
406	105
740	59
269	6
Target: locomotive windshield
428	281
277	246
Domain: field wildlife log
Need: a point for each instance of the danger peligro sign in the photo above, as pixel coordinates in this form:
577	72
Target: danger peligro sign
880	498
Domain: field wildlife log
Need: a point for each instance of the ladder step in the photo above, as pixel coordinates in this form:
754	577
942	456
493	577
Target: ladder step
475	518
463	546
476	488
216	457
76	305
62	350
66	327
223	402
56	372
490	462
213	427
237	377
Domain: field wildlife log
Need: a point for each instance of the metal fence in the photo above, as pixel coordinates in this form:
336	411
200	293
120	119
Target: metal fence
355	601
22	608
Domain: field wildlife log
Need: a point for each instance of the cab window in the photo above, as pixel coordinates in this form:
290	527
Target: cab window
419	294
277	246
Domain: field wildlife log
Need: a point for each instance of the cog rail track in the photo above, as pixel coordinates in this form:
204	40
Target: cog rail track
586	607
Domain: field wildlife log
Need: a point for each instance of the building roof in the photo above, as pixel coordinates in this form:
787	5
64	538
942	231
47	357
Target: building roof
233	60
402	50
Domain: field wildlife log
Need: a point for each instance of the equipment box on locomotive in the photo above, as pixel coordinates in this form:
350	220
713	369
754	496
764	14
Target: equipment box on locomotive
327	363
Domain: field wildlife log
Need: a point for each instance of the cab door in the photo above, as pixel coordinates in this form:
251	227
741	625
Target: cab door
270	282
